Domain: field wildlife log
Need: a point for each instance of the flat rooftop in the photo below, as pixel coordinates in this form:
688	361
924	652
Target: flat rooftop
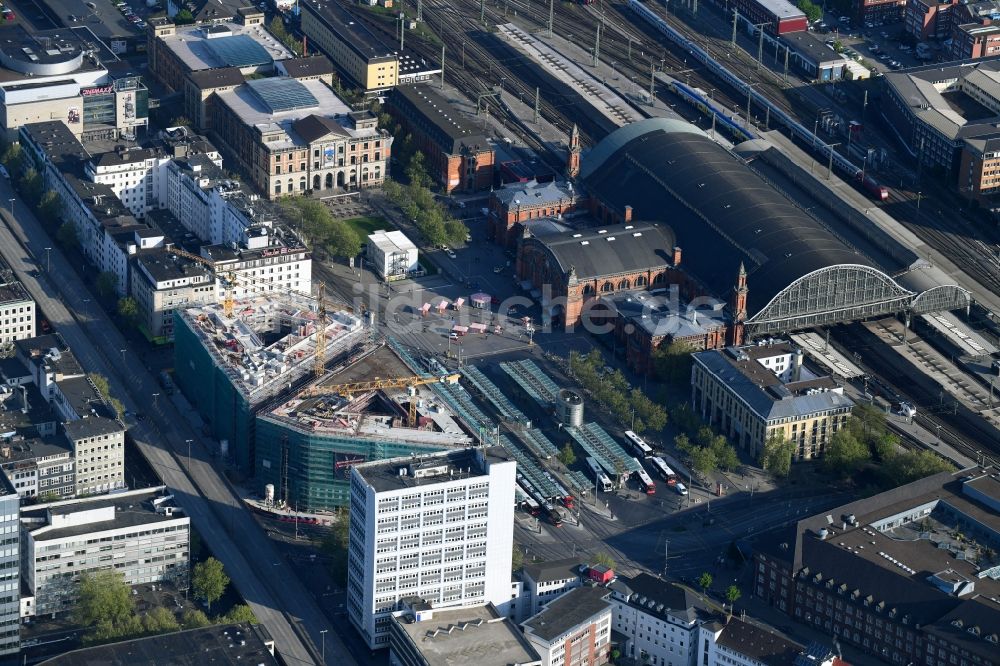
468	636
660	315
69	518
572	609
21	50
385	476
356	35
225	44
381	414
268	339
19	448
219	645
255	106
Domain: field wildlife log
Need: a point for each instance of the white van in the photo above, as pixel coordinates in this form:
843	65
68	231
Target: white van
681	488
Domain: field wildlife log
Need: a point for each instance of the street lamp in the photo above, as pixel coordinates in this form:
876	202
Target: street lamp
188	442
155	396
12	200
48	261
322	636
123	355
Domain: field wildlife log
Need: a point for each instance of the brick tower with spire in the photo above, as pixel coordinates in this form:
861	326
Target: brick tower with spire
739	305
573	159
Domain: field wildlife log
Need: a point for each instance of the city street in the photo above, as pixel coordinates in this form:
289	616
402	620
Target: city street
256	569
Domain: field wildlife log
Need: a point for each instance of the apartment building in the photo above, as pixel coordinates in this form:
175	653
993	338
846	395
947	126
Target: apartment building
99	449
573	630
139	533
755	392
544	581
17	308
659	619
162	283
38	467
438	526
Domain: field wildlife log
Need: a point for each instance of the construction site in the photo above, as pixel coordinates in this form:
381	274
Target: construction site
230	361
372	408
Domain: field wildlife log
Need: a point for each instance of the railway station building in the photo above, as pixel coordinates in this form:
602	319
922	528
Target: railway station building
678	213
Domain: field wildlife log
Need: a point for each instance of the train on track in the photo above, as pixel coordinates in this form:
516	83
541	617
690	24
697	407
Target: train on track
798	131
709	108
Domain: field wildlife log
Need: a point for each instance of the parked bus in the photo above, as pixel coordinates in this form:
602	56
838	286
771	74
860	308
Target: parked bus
532	508
644	479
641	448
663	470
556	515
603	482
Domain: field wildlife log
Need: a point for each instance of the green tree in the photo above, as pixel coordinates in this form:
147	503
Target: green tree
159	620
867	421
334	547
732	595
672	362
194	619
342	240
845	454
100	383
13	159
117	407
516	558
180	121
48	496
209	581
725	455
128	310
813	12
66	236
885	446
705	581
240	614
416	170
430	222
107	284
455	231
683	443
50	208
776	455
31	186
604	559
566	455
912	465
277	28
703	461
682	416
105	605
184	17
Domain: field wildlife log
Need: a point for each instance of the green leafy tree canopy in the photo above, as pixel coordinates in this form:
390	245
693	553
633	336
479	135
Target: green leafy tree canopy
209	581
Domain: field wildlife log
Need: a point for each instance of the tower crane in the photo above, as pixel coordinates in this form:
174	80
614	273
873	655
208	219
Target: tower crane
388	383
319	358
230	278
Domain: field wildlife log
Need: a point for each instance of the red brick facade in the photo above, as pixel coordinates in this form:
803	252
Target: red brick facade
506	215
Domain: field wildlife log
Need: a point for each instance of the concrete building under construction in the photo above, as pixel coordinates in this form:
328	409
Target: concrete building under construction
307	444
230	367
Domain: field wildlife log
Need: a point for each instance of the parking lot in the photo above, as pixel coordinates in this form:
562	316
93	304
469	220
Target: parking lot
878	44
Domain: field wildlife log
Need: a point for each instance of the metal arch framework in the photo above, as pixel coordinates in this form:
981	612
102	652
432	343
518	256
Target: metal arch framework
941	298
844	292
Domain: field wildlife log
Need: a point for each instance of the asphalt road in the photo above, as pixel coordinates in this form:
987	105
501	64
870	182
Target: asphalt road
262	577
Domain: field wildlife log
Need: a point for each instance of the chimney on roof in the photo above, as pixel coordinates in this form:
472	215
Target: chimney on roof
677	255
628	214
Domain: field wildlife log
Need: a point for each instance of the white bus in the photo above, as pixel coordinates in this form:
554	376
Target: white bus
641	448
644	479
663	470
603	482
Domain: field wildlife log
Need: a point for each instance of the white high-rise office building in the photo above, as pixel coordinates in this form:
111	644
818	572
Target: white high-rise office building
439	527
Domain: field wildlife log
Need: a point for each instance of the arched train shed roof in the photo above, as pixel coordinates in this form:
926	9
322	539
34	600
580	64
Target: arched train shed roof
721	212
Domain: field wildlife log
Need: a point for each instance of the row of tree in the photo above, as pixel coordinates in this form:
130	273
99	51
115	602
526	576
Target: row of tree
314	220
612	391
106	606
430	216
31	186
863	442
100	382
708	451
